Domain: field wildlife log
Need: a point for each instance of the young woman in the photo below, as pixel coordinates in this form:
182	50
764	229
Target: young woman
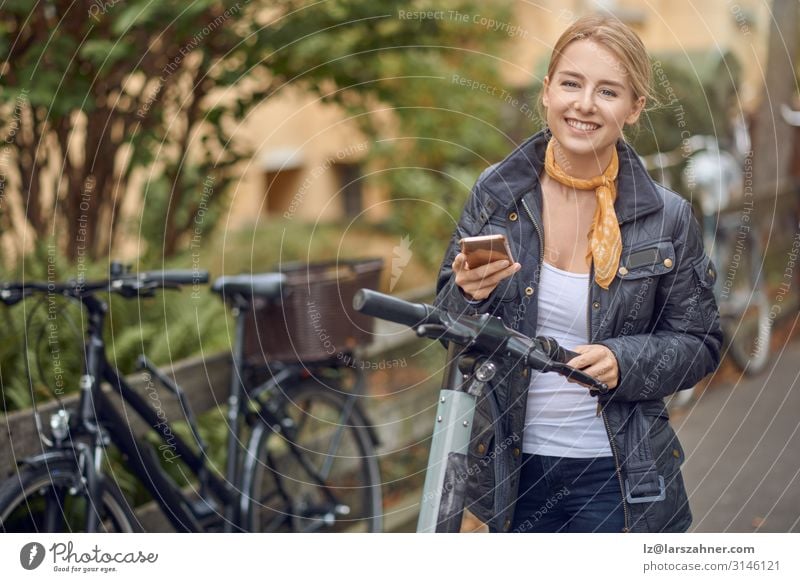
612	266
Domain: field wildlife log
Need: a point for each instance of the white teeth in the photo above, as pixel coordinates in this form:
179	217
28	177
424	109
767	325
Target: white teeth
581	125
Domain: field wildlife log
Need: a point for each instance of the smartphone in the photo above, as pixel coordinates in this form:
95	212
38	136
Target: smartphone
481	250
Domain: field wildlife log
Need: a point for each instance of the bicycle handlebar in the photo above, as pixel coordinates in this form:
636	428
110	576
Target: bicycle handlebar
483	333
128	285
390	308
177	276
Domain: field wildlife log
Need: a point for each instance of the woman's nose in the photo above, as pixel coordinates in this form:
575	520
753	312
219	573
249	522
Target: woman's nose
585	102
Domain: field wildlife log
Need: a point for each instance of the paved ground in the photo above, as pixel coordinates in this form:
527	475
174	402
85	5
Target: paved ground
742	443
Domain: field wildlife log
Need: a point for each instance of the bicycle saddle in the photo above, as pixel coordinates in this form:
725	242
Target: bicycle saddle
267	285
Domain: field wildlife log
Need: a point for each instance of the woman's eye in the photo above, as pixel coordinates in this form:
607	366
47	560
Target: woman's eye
608	93
569	84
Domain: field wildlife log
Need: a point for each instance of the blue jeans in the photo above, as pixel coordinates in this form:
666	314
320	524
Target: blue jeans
559	494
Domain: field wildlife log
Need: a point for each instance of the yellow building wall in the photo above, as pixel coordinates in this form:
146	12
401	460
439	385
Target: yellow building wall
320	133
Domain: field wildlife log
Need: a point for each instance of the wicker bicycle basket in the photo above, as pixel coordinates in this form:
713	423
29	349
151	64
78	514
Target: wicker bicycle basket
314	320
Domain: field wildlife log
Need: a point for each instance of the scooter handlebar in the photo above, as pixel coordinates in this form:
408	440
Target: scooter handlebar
390	308
484	333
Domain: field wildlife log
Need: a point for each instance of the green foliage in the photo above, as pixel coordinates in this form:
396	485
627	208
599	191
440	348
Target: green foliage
696	94
45	333
137	57
455	117
143	73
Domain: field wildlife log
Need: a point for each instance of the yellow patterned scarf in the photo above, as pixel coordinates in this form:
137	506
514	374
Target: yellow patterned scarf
605	241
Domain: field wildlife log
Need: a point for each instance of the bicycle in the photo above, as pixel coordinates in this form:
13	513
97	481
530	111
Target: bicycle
300	455
732	239
476	342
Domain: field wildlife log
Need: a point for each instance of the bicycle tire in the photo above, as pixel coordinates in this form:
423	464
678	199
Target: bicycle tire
48	498
745	310
282	492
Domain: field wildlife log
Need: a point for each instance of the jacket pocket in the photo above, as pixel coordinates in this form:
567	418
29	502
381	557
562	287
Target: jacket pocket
671	514
667	450
647	259
640	267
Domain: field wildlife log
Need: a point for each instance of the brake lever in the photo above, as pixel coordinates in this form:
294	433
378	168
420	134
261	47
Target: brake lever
130	288
596	387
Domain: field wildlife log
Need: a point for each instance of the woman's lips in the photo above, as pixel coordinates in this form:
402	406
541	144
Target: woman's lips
582	126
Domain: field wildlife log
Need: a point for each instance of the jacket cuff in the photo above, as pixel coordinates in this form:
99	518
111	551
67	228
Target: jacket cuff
628	383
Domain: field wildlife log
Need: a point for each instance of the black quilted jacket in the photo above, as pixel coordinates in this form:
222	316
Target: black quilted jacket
659	318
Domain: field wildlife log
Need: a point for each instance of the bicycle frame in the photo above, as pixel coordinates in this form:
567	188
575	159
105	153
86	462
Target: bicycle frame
94	403
80	439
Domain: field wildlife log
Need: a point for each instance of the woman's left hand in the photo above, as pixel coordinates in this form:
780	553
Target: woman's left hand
597	361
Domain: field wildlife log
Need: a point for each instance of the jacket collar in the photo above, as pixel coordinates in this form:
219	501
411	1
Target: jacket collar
518	174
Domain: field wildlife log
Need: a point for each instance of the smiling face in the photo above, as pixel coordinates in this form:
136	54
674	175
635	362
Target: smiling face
589	99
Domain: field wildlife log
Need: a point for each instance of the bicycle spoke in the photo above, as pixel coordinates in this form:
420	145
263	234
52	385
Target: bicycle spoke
322	465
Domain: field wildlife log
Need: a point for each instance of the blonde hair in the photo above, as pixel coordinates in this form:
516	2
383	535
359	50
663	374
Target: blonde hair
615	36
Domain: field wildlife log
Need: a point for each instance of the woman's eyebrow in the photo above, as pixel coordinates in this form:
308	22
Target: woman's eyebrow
601	82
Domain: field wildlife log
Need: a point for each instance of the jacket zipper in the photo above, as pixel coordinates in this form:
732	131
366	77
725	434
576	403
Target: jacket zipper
538	274
619	470
538	231
502	473
600	410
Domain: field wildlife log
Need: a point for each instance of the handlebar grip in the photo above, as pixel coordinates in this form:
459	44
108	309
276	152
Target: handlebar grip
176	277
390	308
555	351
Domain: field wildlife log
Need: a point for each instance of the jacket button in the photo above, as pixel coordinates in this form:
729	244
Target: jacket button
667	263
481	448
676	453
507	525
623	271
513	217
517	452
711	273
528	291
596	305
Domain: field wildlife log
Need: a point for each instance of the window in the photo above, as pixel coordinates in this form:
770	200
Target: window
350	189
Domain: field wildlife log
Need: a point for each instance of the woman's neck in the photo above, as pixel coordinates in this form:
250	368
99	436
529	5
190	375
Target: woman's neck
582	166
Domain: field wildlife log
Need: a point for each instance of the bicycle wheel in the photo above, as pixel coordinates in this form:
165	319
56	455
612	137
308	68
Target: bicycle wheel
319	472
744	307
51	498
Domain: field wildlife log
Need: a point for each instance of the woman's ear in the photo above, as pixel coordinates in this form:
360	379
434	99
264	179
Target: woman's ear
545	88
638	107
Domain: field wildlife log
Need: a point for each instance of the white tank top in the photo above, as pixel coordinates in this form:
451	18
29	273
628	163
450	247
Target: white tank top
561	417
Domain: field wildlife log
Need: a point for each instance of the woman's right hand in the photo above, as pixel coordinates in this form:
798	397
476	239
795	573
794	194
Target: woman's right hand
478	283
